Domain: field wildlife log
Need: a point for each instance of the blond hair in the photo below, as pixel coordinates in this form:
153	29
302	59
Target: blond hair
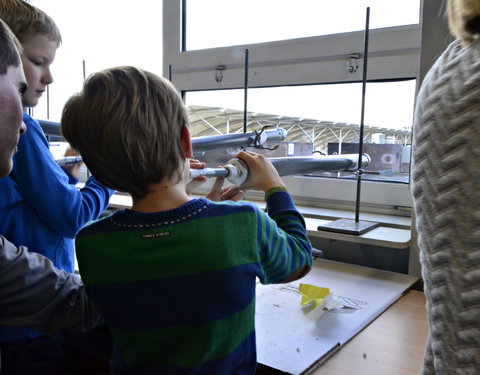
25	21
464	19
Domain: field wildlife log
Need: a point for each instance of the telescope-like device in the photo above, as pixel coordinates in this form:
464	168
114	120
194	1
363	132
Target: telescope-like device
52	130
236	170
69	160
255	139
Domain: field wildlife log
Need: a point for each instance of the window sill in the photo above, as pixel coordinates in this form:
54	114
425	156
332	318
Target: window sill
393	232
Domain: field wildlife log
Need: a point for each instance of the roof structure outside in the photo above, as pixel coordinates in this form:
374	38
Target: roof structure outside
214	121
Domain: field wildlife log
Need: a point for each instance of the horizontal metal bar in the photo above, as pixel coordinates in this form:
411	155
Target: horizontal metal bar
69	160
50	127
201	144
209	172
289	166
213	142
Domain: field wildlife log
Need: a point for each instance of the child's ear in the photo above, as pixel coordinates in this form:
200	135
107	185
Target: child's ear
186	142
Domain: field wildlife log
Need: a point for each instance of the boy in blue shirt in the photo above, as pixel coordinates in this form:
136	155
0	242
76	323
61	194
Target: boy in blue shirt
38	206
32	290
174	277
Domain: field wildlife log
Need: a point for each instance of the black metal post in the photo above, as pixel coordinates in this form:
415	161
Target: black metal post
245	94
349	226
362	116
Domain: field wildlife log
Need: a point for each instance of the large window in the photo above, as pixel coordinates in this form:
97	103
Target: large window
304	72
388	104
319	119
305	63
219	23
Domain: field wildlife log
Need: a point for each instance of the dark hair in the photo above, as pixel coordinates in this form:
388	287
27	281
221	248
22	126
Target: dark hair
9	49
25	20
127	124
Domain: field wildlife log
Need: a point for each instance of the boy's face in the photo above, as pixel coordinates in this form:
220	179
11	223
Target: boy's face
38	54
12	85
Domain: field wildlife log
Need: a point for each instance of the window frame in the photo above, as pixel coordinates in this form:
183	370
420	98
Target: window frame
314	60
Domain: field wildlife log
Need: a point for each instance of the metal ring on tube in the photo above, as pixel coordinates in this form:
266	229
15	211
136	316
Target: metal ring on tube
238	171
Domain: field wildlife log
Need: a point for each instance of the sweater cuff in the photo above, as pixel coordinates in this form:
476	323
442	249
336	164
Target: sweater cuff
279	200
273	190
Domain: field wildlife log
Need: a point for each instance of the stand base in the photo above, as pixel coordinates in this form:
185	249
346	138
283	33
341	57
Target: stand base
348	226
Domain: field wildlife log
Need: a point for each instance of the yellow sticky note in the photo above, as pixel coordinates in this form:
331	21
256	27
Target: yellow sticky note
312	294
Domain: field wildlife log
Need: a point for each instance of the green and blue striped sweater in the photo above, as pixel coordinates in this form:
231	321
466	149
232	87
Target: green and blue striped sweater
177	288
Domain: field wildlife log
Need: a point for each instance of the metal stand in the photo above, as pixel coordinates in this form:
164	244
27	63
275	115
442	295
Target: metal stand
348	226
245	93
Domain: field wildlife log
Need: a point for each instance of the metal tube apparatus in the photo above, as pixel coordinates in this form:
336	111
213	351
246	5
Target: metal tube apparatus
236	170
253	139
201	144
69	160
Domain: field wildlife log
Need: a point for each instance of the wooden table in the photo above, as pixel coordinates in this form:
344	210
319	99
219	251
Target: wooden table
392	344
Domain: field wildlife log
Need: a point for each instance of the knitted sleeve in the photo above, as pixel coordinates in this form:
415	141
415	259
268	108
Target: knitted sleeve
282	237
446	196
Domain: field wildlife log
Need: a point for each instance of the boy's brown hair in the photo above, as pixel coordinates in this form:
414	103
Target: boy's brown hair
25	21
127	125
9	49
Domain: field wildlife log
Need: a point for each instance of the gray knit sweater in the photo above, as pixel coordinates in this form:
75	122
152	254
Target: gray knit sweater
446	192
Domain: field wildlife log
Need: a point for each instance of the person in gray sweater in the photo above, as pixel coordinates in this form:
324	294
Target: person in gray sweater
33	291
446	196
36	293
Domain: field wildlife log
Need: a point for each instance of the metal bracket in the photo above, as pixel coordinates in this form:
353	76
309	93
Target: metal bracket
258	143
352	63
219	73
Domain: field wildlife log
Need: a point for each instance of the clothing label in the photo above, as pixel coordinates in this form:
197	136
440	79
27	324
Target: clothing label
154	235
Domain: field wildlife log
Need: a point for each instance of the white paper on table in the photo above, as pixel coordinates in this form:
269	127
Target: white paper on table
290	341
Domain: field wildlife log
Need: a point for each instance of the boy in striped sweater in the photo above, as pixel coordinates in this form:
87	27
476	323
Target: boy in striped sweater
174	276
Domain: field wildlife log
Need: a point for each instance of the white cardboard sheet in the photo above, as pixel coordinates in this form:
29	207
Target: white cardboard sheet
289	341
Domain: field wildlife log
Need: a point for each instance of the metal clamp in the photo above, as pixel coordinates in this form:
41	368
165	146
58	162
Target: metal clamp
261	138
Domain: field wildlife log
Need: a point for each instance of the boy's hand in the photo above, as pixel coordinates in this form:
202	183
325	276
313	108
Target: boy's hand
230	193
262	175
75	168
193	184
